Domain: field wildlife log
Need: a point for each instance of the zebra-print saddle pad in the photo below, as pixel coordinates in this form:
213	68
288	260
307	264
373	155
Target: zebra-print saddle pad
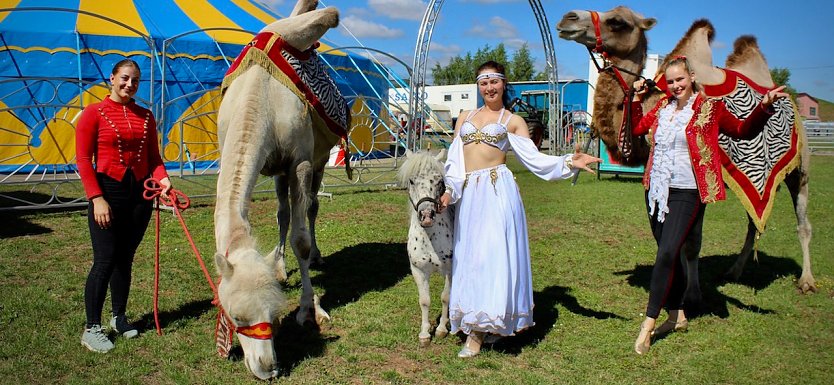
754	168
303	72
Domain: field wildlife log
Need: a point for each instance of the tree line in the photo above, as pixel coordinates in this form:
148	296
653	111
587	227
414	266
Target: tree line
461	69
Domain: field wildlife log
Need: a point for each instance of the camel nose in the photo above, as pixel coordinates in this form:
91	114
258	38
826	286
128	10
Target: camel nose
571	16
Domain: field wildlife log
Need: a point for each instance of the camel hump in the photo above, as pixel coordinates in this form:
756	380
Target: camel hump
745	48
748	60
702	24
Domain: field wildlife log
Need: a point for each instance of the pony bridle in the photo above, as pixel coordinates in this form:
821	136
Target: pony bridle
435	200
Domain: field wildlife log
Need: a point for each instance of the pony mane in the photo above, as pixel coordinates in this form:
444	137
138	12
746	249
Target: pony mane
416	162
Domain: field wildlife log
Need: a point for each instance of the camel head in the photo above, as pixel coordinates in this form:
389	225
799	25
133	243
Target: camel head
422	175
304	29
251	296
622	30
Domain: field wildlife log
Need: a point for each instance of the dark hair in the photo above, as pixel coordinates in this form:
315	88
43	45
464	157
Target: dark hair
499	68
681	60
125	63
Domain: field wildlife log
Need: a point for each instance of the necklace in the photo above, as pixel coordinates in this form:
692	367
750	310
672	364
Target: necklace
130	129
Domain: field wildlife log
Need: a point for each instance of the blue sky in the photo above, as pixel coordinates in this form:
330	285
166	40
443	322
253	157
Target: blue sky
791	34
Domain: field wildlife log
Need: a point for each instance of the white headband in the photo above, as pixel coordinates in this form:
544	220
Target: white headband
490	75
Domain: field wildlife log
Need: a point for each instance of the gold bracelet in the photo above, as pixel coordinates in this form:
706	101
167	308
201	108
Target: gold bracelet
569	162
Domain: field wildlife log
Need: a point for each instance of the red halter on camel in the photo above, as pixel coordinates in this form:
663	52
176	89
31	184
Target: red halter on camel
624	142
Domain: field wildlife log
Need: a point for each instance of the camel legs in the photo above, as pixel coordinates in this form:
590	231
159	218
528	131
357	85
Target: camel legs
312	213
300	189
735	271
283	218
797	182
422	279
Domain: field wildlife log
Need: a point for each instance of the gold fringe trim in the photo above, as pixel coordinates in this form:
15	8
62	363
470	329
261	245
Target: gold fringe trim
258	57
761	223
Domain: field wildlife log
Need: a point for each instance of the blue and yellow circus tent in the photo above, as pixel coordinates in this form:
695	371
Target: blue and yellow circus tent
56	56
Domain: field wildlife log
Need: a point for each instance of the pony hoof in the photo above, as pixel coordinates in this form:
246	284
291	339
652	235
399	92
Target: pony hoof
425	342
441	333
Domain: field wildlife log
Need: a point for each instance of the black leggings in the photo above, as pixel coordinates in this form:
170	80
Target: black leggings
683	223
114	247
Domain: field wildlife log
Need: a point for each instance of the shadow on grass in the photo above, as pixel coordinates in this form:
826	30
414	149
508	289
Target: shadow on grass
22	226
345	277
756	276
353	271
193	309
545	316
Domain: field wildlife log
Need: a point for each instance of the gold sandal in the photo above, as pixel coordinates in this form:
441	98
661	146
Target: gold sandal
671	326
644	340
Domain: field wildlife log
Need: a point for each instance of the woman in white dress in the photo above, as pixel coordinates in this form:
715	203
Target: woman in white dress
492	290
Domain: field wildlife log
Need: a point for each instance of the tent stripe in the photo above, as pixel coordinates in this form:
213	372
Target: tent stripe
207	16
110	52
255	11
11	4
233	10
122	11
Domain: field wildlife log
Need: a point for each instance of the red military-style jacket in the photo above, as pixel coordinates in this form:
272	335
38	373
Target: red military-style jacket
709	118
120	137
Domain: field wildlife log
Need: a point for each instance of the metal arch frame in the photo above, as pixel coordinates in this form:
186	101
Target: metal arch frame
418	79
360	48
167	42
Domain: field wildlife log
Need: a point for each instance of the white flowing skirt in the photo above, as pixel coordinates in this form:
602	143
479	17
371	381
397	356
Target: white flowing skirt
492	290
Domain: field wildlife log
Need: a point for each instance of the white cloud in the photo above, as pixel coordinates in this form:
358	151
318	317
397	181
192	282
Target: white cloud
516	43
439	53
363	28
446	49
399	9
497	27
361	12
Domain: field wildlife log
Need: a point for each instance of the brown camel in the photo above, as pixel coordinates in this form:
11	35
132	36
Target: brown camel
778	154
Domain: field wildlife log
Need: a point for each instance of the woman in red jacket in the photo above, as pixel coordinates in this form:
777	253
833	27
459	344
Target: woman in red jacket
683	173
121	137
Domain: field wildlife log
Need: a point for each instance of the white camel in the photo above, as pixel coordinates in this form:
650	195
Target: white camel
268	125
430	234
778	154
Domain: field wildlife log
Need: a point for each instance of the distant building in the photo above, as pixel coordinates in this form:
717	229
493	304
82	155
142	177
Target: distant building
809	107
446	102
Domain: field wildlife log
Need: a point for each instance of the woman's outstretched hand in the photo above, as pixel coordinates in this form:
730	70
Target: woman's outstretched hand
583	160
773	95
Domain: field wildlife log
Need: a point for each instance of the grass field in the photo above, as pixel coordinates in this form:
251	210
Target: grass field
591	254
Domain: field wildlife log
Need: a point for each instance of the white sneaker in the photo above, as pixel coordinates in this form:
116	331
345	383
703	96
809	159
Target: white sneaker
95	340
121	326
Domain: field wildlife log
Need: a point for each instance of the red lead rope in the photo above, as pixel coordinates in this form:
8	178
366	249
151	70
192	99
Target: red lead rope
178	201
